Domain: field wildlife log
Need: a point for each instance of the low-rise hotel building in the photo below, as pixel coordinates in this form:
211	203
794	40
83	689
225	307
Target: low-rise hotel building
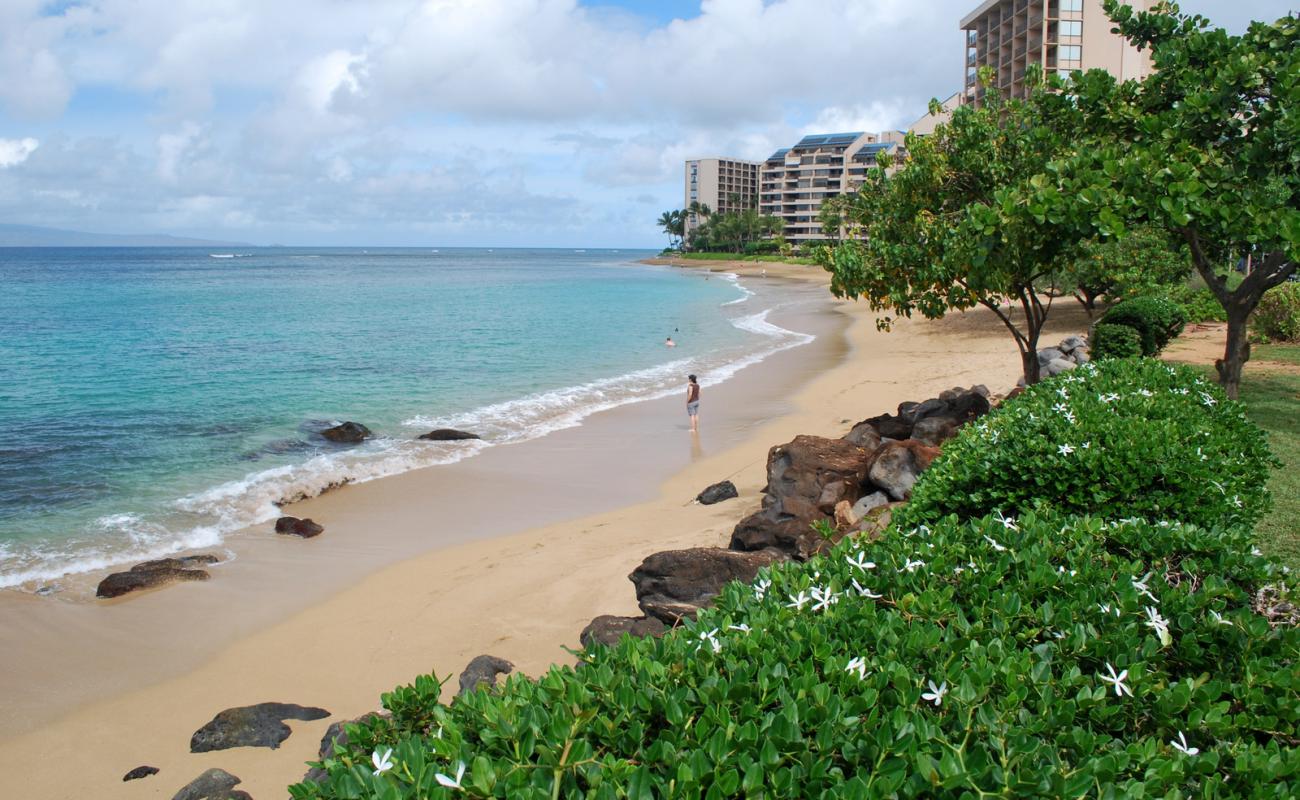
1058	35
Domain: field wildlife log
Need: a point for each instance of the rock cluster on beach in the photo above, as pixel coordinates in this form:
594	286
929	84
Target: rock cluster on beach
846	485
152	574
1070	353
215	784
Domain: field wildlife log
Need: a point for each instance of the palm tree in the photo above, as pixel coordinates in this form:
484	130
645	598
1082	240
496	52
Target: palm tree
673	224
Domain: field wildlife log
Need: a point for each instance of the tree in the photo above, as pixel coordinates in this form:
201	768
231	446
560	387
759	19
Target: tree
939	233
1143	260
673	223
1205	148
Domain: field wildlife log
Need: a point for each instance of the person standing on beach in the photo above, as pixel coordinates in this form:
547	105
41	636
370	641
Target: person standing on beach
693	402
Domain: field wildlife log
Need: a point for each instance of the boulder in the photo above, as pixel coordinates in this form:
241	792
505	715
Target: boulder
874	523
1080	356
335	738
981	390
934	431
251	726
215	784
347	433
794	537
725	490
864	435
1047	355
933	407
1071	343
448	435
676	584
483	670
866	504
889	426
292	526
151	574
1056	367
608	630
139	772
897	465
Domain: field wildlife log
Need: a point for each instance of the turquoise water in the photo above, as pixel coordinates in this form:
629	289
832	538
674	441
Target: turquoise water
154	400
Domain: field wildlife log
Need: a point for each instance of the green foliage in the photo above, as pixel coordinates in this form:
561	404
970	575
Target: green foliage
960	660
1277	318
1199	304
1119	438
1114	341
1156	319
673	223
1139	263
735	232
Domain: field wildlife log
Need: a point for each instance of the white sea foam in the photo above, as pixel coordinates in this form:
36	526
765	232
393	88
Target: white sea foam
745	292
252	500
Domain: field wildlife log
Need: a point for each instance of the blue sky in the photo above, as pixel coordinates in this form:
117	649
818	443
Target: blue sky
439	122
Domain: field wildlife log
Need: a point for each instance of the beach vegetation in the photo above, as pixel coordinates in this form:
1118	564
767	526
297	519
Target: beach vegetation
1278	317
1205	149
673	223
1156	319
936	232
745	231
1114	341
1145	261
1113	439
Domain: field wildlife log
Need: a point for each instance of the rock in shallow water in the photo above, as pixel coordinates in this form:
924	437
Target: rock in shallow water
448	435
724	490
251	726
347	433
151	574
292	526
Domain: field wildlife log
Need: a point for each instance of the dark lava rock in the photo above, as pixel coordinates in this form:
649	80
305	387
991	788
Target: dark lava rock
608	630
347	433
251	726
293	526
898	464
717	493
335	738
215	784
864	435
934	431
448	435
139	772
794	537
676	584
483	670
155	573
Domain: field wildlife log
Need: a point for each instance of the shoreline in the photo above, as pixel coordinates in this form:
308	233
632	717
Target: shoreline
522	596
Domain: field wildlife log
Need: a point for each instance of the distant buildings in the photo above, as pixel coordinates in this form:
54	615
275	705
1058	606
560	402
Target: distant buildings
1006	35
725	185
1057	35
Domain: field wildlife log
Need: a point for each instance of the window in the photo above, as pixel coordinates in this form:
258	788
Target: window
1070	52
1071	27
1069	5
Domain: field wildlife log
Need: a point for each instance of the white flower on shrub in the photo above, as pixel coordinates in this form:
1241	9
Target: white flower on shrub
449	782
863	591
1158	624
1072	573
1061	408
1141	585
825	598
1007	522
1180	390
1108	398
1087	445
1117	681
1255	551
936	693
742	627
1208	399
1218	618
1203	456
1066	449
1146	392
798	601
1236	501
861	561
760	588
383	763
710	638
1063	393
998	547
858	665
1180	744
911	566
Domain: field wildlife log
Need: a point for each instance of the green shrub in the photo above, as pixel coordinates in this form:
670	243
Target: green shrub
1199	304
1119	438
960	660
1277	317
1114	341
1157	320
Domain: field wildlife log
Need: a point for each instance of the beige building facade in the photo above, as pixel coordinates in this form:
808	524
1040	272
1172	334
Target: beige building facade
1058	35
795	181
725	185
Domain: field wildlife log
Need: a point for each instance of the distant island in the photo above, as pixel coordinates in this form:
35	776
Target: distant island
32	236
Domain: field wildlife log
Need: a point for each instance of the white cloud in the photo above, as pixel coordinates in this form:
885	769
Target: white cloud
16	151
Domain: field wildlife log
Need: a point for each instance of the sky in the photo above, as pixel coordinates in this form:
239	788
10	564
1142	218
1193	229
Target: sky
441	122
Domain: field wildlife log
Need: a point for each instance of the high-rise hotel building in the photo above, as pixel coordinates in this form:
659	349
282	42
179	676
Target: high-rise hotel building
725	185
1057	35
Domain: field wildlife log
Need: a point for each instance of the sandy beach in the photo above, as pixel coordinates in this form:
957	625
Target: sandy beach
425	570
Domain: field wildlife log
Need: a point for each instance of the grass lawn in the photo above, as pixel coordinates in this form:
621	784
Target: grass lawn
742	257
1284	353
1272	398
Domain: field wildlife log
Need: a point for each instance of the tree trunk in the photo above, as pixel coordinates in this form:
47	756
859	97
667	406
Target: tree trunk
1029	362
1237	351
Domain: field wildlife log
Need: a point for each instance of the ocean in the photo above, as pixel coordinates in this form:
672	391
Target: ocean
157	400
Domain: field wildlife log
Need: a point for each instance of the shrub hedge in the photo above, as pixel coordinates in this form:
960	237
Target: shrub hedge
1157	320
1277	317
961	659
1134	437
1114	341
1200	305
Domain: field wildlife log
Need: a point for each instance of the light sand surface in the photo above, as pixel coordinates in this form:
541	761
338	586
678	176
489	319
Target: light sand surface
524	596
